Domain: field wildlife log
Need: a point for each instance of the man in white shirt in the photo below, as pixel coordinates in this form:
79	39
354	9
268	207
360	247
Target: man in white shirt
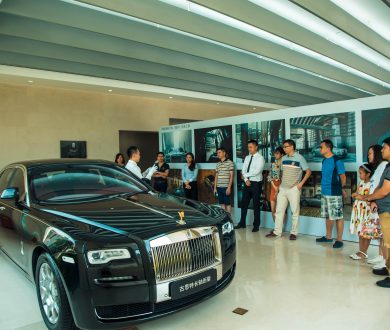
134	158
132	165
252	173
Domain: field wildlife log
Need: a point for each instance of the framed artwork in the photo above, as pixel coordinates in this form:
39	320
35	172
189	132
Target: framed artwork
73	149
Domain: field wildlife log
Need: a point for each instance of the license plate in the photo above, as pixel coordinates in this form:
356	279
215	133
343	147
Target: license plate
193	284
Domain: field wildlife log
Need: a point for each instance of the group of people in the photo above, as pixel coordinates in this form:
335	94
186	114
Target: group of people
370	218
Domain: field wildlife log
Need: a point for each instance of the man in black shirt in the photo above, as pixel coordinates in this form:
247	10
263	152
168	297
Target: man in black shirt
161	175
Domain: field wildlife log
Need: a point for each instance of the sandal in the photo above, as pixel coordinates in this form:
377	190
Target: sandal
355	256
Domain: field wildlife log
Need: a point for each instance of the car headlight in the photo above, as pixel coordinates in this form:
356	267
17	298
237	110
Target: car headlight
98	257
227	228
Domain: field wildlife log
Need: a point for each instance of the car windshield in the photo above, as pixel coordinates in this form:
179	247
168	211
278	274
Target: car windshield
79	182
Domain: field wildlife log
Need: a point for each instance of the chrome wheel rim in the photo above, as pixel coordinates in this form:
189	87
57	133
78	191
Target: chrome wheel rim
49	293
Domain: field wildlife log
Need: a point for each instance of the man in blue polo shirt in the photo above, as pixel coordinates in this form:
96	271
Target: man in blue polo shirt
332	190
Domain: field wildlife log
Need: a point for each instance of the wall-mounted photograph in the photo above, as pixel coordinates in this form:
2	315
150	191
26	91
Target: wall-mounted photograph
206	180
175	145
375	127
311	195
265	204
73	149
308	132
208	140
269	135
175	183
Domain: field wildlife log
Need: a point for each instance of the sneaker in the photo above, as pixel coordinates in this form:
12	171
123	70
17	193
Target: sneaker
293	237
323	239
384	283
338	245
271	235
381	272
375	260
380	265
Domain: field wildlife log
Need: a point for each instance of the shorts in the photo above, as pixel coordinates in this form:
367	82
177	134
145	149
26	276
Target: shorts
222	197
332	207
272	196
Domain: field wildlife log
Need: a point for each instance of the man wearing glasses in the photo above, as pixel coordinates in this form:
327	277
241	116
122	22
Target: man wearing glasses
289	192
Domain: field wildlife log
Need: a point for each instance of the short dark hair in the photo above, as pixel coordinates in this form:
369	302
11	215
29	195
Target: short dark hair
160	153
368	168
280	151
387	141
328	143
290	143
222	149
131	151
253	142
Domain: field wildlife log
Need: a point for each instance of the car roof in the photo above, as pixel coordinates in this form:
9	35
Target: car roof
60	161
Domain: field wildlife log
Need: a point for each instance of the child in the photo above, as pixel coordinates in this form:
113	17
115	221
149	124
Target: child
274	178
361	211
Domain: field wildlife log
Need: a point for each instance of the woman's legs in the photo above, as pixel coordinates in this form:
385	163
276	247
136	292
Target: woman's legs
364	243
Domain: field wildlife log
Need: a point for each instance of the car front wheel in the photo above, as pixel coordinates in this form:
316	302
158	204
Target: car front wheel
52	298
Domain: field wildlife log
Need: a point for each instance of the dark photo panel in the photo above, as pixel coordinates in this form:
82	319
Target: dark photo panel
208	140
175	145
269	135
311	195
340	128
73	149
376	127
175	183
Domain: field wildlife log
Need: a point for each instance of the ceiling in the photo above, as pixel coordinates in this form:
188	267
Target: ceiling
279	53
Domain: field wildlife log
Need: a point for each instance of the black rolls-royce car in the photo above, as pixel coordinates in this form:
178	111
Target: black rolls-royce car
103	249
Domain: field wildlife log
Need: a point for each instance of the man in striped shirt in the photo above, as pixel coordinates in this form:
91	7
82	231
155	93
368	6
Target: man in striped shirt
224	179
289	192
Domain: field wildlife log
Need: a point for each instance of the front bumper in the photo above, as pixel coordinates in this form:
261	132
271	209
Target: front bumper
123	315
118	306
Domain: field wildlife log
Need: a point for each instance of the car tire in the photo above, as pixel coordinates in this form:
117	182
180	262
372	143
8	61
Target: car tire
52	299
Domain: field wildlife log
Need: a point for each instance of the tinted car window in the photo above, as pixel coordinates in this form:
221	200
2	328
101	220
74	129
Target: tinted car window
70	182
5	179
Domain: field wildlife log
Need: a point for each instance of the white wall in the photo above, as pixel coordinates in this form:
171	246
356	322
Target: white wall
308	225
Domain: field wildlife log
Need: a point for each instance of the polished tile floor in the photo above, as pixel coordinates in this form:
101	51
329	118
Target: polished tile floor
284	285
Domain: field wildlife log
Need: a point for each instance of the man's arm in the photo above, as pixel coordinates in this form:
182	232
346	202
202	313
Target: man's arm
343	181
229	188
379	193
215	182
305	178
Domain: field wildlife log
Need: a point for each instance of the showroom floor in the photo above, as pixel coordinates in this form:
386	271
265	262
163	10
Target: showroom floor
283	284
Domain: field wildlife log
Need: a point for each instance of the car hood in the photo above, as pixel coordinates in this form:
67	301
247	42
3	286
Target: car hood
142	215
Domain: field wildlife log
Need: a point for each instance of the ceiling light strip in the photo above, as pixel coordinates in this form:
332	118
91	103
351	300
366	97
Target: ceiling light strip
356	9
245	27
167	28
311	22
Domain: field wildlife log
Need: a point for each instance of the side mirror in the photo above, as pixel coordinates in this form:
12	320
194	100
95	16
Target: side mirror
10	193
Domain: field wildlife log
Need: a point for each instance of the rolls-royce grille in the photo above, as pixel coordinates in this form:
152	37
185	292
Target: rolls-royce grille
198	249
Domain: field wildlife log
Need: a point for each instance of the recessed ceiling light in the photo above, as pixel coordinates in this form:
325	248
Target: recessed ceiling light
30	81
217	102
171	97
254	108
110	90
